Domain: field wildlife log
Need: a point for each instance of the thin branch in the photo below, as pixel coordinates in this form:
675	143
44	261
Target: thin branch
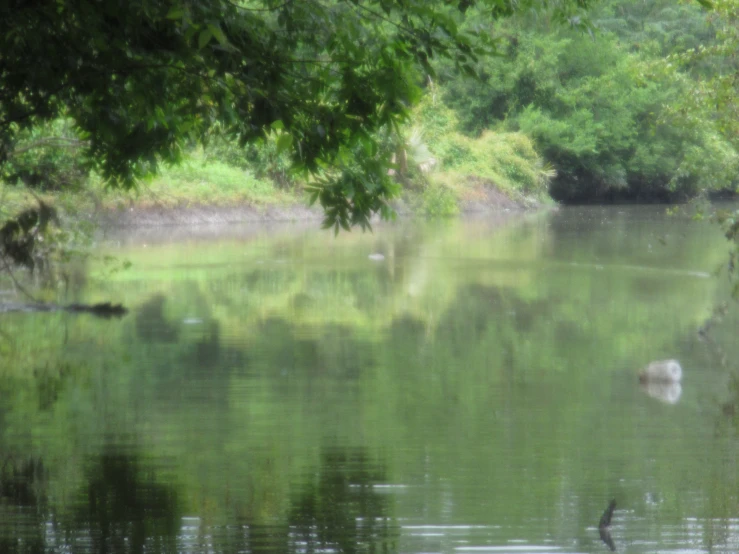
275	8
49	141
15	281
381	17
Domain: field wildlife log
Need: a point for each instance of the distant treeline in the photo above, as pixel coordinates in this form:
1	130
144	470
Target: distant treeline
615	113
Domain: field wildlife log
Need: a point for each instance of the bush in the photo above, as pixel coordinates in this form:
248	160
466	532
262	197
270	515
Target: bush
47	158
213	182
507	160
438	200
261	158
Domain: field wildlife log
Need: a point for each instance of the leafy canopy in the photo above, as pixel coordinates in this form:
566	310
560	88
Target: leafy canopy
144	78
607	113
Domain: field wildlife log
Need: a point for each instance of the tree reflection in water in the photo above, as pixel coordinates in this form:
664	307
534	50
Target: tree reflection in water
22	502
342	510
123	509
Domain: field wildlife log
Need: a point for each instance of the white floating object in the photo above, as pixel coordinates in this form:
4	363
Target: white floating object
662	371
192	321
376	257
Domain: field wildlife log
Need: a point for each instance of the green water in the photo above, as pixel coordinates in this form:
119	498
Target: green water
475	390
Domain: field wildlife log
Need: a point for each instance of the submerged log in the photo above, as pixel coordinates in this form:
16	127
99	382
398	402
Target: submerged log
103	309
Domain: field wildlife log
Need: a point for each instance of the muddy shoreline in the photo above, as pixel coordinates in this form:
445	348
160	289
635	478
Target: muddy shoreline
484	200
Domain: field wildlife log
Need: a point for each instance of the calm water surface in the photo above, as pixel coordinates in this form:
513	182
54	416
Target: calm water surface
471	390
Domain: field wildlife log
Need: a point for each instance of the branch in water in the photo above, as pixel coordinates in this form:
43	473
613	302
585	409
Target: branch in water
104	309
604	526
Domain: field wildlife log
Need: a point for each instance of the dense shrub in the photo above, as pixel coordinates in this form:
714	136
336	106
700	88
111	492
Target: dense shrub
438	200
47	157
507	160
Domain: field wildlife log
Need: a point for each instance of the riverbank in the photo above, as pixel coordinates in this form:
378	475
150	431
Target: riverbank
203	199
451	174
482	198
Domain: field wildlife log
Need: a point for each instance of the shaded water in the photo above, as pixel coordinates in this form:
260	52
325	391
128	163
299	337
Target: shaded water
474	390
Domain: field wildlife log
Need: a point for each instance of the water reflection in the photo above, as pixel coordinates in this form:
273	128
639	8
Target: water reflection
342	511
669	393
119	511
151	325
21	481
472	391
122	509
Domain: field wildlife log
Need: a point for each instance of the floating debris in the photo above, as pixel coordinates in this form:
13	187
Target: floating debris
104	309
661	380
662	371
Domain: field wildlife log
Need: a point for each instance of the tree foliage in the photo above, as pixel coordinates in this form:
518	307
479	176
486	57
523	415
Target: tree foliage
143	78
717	95
719	91
605	110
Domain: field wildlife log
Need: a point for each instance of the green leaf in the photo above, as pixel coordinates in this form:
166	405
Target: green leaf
204	38
217	32
284	142
175	13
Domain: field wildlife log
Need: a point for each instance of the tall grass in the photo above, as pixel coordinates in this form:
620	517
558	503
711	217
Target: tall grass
197	181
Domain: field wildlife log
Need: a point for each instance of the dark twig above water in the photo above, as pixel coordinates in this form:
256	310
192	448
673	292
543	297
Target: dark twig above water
104	309
604	526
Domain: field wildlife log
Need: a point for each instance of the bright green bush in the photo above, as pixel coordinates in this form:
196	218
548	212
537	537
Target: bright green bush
263	158
435	117
507	160
438	200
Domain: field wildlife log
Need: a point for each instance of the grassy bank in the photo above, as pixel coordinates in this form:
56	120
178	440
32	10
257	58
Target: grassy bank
195	181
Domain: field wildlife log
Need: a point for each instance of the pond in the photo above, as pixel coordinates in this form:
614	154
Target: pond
451	387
